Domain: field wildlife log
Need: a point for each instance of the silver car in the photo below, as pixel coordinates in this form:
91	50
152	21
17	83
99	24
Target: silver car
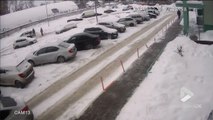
127	21
23	41
14	109
18	75
137	17
59	52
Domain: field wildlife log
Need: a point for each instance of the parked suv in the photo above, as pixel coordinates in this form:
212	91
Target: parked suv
84	41
102	31
137	17
18	75
127	21
23	41
119	27
59	52
11	109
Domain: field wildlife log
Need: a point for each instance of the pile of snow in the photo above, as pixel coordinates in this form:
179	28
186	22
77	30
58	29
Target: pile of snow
208	35
159	95
13	20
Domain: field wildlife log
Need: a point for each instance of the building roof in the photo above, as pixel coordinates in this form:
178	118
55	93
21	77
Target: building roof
191	4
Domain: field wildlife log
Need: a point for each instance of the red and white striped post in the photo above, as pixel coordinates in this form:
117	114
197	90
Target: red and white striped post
138	52
147	46
102	83
122	65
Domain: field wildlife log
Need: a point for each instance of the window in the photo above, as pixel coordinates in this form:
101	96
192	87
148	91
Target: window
21	40
51	49
4	114
121	20
41	51
55	10
128	19
72	39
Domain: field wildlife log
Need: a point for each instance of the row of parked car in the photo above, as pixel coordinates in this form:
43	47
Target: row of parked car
67	49
22	74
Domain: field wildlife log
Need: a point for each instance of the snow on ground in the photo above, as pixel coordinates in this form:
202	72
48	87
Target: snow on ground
34	14
48	74
158	97
77	109
208	35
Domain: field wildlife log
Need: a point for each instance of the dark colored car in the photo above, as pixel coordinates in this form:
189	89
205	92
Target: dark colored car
75	19
84	41
109	11
11	109
137	17
103	32
152	15
119	27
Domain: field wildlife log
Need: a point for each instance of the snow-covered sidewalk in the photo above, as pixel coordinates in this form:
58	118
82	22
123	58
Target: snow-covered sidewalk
159	95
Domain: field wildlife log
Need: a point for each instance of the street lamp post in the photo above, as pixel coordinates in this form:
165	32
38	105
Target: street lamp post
96	11
47	12
186	17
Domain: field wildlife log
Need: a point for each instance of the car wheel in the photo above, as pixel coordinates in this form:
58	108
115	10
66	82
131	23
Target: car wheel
60	59
19	84
31	62
89	46
131	24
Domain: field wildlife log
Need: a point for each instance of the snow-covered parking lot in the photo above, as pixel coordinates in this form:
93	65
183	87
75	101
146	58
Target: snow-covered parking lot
48	74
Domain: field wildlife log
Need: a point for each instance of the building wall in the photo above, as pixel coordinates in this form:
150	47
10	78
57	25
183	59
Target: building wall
208	15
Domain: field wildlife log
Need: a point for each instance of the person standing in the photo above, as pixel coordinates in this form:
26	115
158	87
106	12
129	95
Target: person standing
34	32
42	32
179	14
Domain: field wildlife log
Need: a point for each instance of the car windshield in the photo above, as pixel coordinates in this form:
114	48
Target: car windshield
21	65
7	102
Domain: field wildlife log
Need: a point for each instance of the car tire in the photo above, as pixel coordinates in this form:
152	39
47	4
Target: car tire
19	84
131	24
60	59
31	62
89	46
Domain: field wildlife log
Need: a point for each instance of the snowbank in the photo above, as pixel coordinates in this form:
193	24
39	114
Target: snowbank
13	20
159	95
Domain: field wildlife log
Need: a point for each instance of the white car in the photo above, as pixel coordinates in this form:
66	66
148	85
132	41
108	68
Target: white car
18	76
127	21
66	28
58	52
23	41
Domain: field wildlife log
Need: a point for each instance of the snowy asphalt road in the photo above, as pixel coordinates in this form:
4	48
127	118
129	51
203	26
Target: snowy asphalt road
62	105
108	105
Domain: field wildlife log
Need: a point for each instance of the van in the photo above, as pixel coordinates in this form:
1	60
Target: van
89	13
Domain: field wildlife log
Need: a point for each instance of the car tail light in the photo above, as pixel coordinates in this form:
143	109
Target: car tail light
71	50
21	75
26	108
